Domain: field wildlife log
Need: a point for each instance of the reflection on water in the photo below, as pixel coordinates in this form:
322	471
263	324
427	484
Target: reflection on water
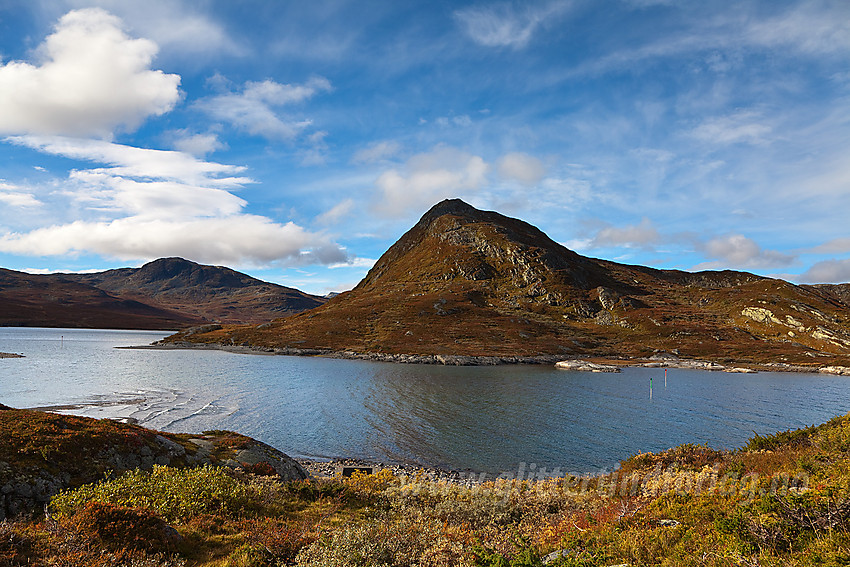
487	418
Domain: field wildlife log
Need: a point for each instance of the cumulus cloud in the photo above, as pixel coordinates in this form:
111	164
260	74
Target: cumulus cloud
521	167
506	24
641	235
828	271
92	79
146	204
253	108
377	152
736	250
15	196
196	144
428	178
233	240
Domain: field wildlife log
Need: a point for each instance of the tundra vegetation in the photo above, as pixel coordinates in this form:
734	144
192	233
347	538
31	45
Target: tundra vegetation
782	499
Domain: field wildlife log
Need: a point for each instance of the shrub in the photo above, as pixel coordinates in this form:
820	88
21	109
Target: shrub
123	528
17	547
175	494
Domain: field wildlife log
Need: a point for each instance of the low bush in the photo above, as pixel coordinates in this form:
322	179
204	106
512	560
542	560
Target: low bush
120	528
175	494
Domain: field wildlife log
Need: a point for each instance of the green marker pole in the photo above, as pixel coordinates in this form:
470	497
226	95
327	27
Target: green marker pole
650	387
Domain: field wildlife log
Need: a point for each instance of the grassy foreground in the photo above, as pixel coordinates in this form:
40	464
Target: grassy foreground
781	500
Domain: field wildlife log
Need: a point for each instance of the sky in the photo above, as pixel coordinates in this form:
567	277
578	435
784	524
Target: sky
296	141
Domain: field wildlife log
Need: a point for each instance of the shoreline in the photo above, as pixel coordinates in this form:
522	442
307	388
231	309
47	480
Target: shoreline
662	360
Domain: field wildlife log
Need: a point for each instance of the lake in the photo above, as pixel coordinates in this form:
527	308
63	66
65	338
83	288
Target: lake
487	419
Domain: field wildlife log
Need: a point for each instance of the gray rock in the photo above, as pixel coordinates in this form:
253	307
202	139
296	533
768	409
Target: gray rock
585	366
556	555
175	449
286	467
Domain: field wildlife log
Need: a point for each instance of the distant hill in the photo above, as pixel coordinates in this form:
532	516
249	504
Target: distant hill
469	282
170	293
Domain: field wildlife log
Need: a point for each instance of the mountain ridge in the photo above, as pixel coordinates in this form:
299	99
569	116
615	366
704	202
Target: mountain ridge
477	283
168	293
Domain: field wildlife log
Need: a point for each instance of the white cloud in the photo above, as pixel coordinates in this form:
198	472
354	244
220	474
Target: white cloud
521	167
376	152
828	271
740	127
93	79
355	263
336	213
196	144
640	235
161	199
736	250
813	27
835	246
253	109
316	152
15	196
507	24
149	203
174	26
130	161
428	178
462	121
233	240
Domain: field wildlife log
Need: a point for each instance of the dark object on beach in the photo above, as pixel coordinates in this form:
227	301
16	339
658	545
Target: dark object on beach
348	471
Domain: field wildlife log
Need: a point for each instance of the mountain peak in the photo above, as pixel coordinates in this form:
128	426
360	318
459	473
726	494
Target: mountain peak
456	207
171	266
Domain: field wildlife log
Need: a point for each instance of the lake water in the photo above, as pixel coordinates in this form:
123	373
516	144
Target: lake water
488	419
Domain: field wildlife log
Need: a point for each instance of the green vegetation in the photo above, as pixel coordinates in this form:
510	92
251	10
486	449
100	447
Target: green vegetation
781	500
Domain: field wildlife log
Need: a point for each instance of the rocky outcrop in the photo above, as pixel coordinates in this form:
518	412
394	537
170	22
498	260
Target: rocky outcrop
585	366
760	315
44	453
667	360
837	370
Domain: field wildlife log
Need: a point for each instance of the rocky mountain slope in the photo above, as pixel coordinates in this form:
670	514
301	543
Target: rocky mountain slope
170	293
469	282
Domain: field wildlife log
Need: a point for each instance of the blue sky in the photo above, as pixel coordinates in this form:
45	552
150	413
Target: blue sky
296	141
